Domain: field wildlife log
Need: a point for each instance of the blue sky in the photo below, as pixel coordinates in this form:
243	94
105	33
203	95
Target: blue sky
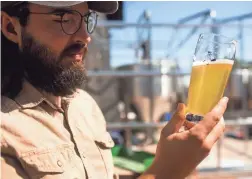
171	12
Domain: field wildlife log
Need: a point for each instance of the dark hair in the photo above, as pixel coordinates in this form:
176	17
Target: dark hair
12	72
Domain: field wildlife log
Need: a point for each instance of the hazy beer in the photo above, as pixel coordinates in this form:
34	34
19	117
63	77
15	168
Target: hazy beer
212	63
207	84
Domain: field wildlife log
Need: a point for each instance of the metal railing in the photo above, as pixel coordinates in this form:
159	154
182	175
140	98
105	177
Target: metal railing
167	25
124	74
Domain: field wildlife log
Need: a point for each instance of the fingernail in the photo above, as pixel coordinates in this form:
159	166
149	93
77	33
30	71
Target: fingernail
180	106
225	99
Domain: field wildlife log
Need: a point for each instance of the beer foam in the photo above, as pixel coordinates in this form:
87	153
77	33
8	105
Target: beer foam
220	61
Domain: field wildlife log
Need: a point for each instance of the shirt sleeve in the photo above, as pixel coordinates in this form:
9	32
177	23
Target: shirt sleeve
11	168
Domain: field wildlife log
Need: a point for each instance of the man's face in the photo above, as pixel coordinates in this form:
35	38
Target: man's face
53	60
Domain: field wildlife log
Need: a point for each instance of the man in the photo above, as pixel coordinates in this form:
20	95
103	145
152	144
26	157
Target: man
50	128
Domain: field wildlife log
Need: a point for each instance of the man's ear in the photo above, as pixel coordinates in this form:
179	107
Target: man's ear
10	27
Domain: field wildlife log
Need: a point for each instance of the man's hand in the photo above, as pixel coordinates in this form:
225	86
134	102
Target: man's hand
179	153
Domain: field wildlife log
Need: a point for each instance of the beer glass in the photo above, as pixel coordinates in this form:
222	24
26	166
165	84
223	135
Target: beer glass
212	63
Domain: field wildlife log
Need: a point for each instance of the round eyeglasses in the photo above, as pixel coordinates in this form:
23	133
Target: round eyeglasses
71	20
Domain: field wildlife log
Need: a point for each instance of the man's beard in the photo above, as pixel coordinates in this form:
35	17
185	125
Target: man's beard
44	70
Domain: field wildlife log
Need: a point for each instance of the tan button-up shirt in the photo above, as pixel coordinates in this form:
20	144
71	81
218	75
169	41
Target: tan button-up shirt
41	140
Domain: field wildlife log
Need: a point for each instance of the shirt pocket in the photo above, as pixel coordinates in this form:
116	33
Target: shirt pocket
105	143
49	164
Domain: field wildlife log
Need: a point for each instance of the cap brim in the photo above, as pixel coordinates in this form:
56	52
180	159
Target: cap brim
107	7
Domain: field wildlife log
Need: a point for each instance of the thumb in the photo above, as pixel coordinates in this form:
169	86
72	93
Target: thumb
176	122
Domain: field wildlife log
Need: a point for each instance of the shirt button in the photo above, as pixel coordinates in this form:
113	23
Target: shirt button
59	163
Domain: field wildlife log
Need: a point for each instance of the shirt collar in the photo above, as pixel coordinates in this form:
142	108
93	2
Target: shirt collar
30	97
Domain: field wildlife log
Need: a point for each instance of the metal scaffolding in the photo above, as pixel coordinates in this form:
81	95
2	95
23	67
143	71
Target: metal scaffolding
144	26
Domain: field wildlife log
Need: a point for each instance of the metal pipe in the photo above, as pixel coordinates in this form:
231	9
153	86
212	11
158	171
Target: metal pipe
246	138
128	73
239	122
241	39
237	18
128	137
168	25
131	73
187	37
203	13
135	125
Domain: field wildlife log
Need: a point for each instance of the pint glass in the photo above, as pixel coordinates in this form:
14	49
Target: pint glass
212	63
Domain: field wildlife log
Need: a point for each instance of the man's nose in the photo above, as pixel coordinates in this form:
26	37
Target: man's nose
82	35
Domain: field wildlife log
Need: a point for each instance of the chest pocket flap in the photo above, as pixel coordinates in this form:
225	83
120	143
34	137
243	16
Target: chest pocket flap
46	161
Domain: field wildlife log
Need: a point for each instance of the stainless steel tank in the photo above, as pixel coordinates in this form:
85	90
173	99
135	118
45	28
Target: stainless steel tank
235	88
141	86
142	93
239	90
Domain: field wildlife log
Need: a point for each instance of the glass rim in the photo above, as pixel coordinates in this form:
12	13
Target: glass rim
229	39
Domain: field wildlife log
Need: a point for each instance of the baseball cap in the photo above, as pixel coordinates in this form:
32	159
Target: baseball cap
107	7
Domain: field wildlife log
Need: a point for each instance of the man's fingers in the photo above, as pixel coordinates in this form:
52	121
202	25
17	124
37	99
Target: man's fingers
176	122
188	125
205	126
216	133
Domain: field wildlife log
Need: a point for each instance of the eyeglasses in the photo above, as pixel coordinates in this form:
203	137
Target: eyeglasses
71	20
